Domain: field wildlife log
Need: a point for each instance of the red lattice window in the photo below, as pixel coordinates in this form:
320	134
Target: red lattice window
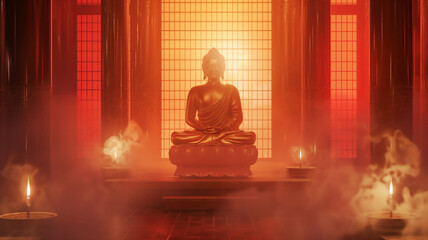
88	2
241	30
344	85
343	2
350	87
88	83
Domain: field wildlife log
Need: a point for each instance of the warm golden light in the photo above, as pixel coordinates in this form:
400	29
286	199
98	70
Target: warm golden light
391	189
241	31
28	201
115	156
343	72
28	188
300	154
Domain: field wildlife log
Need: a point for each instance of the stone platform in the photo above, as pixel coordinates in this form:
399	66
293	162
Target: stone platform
157	187
174	193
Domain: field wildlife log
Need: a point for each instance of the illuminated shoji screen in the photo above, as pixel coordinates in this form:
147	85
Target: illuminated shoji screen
88	83
343	83
241	30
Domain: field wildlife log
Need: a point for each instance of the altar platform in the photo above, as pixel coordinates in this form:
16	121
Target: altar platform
159	188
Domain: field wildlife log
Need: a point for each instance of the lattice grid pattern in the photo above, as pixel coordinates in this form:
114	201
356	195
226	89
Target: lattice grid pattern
241	30
88	2
343	2
344	85
88	82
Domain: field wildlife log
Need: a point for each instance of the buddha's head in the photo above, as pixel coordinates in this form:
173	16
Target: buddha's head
213	64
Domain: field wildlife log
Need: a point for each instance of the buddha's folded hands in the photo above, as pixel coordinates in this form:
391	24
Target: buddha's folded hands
211	130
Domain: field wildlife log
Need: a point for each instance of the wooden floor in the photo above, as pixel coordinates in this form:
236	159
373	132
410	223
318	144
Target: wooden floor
158	224
154	224
139	207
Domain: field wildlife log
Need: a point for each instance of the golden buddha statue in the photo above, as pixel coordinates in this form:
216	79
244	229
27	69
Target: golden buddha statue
213	109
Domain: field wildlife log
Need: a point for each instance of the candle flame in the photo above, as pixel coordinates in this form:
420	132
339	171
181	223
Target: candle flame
28	187
115	155
391	189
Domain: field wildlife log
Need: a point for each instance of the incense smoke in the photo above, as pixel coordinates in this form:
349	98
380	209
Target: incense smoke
401	160
118	147
334	205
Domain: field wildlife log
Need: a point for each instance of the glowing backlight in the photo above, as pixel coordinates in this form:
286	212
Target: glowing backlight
88	2
241	30
88	83
28	188
344	85
343	2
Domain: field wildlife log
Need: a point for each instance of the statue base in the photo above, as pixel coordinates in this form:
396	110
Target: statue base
213	160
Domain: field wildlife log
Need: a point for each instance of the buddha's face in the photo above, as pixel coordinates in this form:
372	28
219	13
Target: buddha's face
213	69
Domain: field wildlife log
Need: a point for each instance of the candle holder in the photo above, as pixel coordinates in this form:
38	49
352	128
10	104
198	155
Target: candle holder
300	172
389	223
34	224
114	169
115	172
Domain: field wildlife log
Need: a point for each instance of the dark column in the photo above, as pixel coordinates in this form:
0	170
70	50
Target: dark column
115	80
64	88
287	33
420	80
391	69
2	47
317	75
25	84
2	80
64	47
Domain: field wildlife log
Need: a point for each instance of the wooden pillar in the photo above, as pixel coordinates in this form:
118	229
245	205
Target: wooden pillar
391	69
25	84
115	79
287	58
317	78
420	79
145	38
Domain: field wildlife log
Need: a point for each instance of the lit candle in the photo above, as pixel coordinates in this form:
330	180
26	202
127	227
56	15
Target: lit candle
28	201
115	157
300	157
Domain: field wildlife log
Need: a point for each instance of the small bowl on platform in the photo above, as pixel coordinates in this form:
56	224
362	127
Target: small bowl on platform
36	224
384	223
115	172
302	172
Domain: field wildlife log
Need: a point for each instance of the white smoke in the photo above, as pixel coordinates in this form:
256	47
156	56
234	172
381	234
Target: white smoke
118	147
401	160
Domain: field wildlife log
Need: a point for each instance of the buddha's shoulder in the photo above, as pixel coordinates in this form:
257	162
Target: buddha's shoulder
196	89
230	87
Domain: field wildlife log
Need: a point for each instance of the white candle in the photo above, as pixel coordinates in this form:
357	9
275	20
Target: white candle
28	201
